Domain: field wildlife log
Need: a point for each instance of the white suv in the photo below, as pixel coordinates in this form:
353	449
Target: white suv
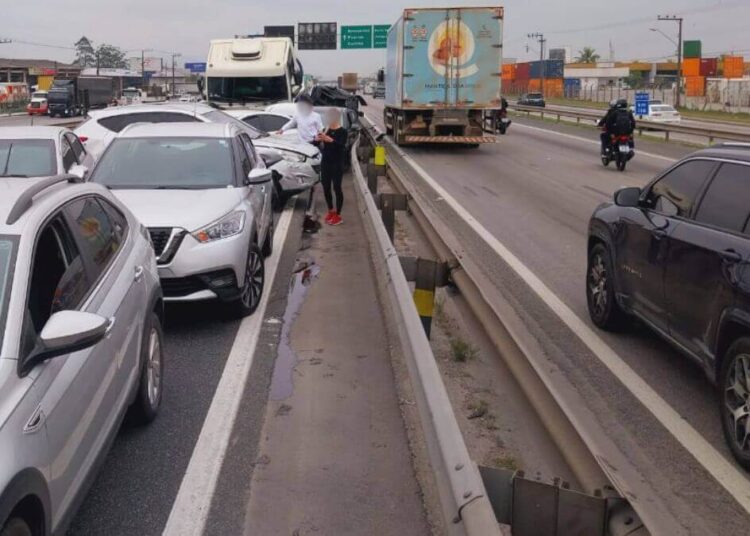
205	196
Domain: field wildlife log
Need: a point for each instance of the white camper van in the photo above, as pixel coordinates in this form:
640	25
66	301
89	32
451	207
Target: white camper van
257	70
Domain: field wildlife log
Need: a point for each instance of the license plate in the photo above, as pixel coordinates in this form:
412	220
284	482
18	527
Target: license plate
624	148
505	120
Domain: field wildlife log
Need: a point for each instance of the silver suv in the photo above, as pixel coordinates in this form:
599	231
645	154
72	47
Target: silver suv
80	342
205	196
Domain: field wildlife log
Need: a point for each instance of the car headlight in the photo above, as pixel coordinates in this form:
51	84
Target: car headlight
230	225
292	157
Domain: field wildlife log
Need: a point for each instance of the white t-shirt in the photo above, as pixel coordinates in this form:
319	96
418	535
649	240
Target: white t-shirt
308	126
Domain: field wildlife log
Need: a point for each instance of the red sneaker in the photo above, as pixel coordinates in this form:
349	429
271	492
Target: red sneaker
336	219
329	216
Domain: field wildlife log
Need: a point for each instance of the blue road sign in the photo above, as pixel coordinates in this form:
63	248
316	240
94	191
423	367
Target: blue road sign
196	67
641	103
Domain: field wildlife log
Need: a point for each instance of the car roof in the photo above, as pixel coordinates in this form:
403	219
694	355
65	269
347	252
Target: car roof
166	130
12	189
728	151
32	132
189	107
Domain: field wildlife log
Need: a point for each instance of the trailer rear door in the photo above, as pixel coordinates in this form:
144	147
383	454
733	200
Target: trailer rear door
452	58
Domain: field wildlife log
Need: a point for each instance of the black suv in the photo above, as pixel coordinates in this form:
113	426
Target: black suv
676	255
532	99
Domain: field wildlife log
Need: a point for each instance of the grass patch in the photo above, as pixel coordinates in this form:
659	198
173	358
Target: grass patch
505	462
462	351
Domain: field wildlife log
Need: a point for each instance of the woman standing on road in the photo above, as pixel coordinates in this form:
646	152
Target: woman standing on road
333	146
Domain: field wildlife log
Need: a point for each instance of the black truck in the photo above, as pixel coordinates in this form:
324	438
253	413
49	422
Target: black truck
76	96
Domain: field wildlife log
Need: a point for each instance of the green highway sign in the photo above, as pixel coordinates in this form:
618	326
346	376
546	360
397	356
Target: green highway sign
356	37
380	35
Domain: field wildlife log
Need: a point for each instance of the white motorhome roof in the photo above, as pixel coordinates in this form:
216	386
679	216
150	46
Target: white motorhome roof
252	57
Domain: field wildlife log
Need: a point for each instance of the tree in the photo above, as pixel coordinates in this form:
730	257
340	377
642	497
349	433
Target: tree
85	55
587	55
111	57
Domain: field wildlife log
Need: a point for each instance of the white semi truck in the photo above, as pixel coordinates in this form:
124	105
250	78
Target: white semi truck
252	71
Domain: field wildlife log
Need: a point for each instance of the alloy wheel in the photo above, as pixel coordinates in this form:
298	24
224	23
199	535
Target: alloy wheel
737	400
598	285
253	287
153	365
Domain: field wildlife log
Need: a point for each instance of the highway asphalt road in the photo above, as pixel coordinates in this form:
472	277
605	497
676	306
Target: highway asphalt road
535	191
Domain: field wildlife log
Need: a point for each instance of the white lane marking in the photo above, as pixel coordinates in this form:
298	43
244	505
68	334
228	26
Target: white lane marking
593	142
734	481
193	502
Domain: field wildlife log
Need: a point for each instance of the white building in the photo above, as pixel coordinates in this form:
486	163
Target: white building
592	78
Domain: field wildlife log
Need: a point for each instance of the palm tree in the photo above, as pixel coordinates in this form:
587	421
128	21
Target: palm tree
587	55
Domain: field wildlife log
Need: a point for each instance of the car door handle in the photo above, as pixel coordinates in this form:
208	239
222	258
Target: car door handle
731	256
138	275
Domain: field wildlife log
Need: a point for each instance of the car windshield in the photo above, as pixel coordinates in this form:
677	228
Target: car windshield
215	116
662	108
27	158
166	163
242	90
7	254
130	93
39	95
535	96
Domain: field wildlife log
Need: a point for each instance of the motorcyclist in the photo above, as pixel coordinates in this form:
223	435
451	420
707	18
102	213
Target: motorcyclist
618	120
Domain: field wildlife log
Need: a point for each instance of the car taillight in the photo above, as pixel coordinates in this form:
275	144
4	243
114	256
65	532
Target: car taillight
83	139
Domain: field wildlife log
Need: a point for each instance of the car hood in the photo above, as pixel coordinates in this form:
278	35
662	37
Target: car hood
188	209
306	149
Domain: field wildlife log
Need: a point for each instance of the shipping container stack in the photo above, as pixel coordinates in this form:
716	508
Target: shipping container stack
695	68
734	66
549	73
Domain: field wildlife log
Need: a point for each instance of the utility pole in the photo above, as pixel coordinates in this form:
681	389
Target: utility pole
678	20
97	62
542	42
143	70
173	82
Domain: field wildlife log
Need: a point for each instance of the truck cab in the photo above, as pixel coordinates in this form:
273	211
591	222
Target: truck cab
256	70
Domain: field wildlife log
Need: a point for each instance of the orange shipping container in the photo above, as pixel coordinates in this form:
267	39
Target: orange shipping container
509	71
553	87
695	86
691	67
734	66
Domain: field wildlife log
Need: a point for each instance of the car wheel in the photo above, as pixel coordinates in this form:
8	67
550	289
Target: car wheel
603	308
16	527
148	397
734	400
252	287
268	243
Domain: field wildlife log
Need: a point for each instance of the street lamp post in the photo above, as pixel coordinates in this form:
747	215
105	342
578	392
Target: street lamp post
679	21
542	42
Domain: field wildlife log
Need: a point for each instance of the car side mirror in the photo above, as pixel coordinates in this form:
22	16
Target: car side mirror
628	197
259	176
79	171
64	333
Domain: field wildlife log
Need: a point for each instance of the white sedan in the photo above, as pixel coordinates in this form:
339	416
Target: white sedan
662	113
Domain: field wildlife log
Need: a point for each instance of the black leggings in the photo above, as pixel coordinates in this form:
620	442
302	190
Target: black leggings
333	178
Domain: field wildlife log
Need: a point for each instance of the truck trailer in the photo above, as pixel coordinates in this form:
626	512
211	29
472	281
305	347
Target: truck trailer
443	74
69	97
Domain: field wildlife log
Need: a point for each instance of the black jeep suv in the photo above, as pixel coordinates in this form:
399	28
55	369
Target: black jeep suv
676	255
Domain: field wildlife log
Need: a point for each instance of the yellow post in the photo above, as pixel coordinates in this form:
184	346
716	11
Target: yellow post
379	155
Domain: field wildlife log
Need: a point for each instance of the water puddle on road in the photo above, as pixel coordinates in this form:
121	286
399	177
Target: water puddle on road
282	381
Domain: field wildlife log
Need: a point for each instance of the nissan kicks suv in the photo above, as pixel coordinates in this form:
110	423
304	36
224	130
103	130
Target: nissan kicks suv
80	342
205	197
676	254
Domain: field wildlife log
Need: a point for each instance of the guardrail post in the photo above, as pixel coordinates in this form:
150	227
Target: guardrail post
373	172
427	276
388	213
666	135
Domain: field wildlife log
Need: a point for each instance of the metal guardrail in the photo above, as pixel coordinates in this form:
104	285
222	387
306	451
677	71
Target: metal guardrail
465	506
502	486
705	132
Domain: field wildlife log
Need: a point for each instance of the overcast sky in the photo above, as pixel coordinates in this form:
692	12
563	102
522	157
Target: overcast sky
186	26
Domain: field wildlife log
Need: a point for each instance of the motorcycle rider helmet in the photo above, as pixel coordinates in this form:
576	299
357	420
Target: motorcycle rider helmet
622	104
613	103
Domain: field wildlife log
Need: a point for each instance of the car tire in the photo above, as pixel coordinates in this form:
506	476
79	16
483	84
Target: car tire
603	308
267	249
734	399
150	384
253	284
16	526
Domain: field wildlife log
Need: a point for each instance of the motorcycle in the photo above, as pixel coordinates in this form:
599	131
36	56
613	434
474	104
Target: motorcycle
619	151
